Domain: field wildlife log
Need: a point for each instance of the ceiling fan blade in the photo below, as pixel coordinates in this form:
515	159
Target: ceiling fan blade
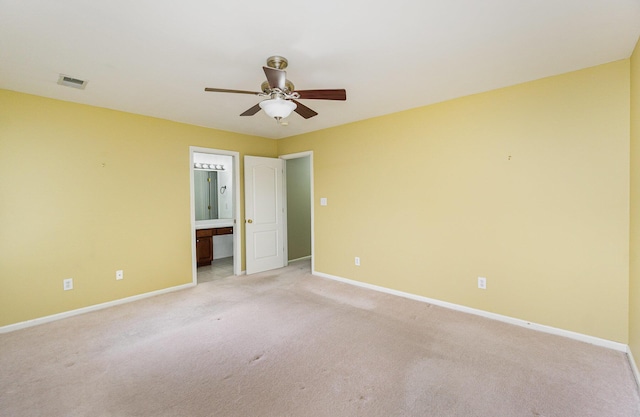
304	111
224	90
338	94
253	110
277	78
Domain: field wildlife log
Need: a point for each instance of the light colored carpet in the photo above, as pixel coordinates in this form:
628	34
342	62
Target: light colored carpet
285	343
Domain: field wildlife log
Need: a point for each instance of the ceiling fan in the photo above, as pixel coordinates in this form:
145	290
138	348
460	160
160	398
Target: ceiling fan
283	97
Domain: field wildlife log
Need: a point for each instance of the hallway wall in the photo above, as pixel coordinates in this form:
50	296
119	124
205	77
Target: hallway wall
298	207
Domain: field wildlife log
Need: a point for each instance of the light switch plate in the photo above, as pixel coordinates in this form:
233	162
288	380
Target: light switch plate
323	201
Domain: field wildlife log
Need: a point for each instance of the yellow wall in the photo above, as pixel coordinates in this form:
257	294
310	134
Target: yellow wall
527	186
634	288
85	191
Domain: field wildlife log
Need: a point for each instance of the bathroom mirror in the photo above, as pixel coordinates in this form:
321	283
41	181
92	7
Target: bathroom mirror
206	194
212	183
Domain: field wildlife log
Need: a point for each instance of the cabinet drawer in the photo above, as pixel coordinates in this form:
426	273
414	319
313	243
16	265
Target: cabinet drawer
204	232
224	231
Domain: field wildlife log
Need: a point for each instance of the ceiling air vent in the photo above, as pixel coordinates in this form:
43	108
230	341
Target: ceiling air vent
71	82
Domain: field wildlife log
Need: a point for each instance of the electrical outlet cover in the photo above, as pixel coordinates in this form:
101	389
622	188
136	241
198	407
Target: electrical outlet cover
482	283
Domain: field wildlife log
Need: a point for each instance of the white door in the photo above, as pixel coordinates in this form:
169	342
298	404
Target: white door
263	200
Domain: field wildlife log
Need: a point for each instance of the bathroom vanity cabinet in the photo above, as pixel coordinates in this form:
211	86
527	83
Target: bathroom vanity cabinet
204	243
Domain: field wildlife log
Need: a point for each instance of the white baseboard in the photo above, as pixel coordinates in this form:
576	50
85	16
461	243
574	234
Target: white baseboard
506	319
66	314
300	259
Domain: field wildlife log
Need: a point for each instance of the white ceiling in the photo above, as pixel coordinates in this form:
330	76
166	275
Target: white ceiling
155	57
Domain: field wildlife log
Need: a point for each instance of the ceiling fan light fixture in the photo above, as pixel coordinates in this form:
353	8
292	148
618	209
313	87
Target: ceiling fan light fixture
280	95
277	108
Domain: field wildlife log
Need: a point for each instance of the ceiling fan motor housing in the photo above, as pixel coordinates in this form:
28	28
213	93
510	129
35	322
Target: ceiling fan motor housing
277	62
288	86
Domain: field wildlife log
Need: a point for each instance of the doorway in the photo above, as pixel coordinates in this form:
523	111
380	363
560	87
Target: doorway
299	207
215	209
270	240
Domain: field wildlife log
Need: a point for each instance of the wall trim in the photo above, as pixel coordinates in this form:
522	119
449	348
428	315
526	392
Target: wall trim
96	307
300	259
621	347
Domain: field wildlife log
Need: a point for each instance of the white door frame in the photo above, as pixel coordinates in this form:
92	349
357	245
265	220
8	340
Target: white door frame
237	236
286	243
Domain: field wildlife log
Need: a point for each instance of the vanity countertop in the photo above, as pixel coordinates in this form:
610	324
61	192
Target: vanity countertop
212	224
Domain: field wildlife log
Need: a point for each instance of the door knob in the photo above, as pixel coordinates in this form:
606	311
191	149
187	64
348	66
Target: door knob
249	221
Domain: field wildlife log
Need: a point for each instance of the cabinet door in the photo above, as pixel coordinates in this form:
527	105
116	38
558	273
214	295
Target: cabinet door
204	248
